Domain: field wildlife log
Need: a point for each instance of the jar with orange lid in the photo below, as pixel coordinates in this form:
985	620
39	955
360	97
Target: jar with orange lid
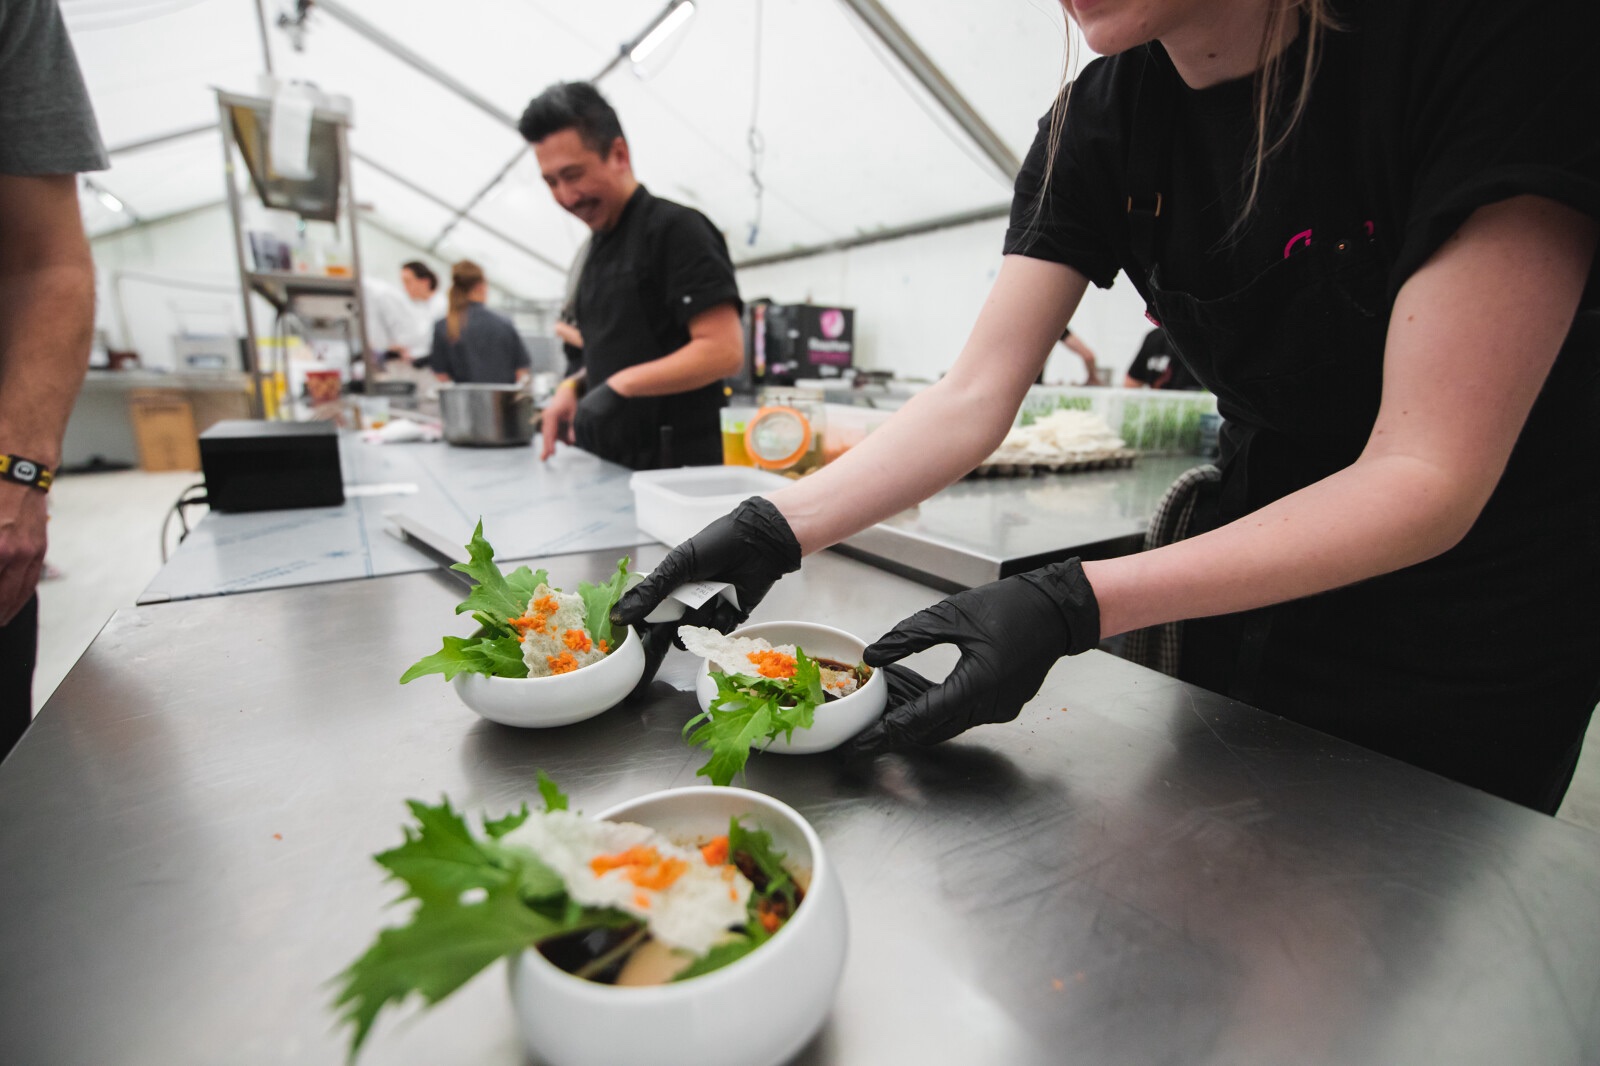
785	437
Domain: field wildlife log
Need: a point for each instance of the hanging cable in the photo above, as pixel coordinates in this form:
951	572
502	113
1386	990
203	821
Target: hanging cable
753	138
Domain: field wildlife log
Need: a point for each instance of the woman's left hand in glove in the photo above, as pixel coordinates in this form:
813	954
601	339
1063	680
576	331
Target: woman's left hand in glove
1010	632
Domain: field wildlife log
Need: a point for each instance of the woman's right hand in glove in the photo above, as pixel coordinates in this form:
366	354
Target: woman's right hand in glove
750	548
1010	632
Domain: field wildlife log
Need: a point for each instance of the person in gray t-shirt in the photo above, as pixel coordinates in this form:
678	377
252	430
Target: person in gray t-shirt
472	343
47	136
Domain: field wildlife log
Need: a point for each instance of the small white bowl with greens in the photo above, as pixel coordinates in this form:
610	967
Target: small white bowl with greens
692	927
541	657
793	688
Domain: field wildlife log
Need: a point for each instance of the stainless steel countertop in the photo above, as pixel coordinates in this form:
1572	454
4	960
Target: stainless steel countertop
1136	871
983	529
973	532
574	501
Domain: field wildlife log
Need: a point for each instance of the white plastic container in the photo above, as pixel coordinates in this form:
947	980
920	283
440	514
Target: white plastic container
674	505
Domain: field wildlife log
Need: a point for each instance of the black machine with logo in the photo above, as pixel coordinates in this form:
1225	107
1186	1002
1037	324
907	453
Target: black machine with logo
785	342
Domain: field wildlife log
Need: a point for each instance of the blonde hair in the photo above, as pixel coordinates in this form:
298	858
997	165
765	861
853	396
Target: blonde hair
464	277
1269	77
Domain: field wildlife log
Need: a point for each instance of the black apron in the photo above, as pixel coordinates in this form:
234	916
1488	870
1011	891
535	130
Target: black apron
1429	664
642	432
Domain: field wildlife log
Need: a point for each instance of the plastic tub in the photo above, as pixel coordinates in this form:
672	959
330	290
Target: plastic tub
1150	421
674	505
848	426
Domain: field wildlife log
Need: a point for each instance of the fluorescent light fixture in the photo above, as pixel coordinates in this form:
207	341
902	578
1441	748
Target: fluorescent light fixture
674	20
109	200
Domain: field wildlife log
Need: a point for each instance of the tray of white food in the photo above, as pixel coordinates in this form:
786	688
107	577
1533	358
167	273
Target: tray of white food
1060	442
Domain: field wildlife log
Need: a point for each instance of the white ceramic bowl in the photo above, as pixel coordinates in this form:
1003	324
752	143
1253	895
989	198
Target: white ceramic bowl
541	702
758	1011
836	721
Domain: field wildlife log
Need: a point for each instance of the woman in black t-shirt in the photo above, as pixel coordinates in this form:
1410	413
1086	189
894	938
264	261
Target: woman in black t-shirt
1369	227
1157	366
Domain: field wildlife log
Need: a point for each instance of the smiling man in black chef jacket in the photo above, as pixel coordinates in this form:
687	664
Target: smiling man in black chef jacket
657	305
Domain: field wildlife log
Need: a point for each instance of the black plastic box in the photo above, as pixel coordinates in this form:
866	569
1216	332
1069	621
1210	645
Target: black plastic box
270	466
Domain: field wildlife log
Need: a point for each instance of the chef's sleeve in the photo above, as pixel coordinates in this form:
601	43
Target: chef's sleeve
698	270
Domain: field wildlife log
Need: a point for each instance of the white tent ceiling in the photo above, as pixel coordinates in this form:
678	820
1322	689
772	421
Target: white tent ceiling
853	143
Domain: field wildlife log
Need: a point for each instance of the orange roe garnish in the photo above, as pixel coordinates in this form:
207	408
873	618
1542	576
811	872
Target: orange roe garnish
643	865
561	664
641	901
771	663
638	855
605	649
659	876
733	893
769	920
715	851
528	623
546	605
577	640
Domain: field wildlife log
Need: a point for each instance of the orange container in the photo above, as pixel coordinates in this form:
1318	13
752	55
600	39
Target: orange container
323	386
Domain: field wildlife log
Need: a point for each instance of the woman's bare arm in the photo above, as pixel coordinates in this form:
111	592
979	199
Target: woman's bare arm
950	427
1471	340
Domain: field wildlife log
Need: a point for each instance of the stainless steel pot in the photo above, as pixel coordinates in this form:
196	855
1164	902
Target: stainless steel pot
486	415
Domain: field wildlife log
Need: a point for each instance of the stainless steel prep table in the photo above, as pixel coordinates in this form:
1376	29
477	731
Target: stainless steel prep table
1136	871
983	529
973	532
573	502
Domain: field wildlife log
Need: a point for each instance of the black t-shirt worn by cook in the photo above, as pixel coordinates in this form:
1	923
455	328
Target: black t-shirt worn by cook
1479	663
1157	364
1421	112
489	350
644	281
1460	103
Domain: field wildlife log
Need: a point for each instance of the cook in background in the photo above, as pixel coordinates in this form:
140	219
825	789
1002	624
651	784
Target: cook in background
1390	290
566	327
427	306
48	135
391	327
656	300
1074	344
472	343
1157	365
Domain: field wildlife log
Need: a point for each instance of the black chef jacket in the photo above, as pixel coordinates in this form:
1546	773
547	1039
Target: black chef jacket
645	279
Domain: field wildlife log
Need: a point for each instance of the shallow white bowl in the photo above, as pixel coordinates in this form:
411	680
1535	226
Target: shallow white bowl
836	721
542	702
758	1011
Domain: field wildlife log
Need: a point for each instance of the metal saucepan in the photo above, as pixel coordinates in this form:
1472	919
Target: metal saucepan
486	415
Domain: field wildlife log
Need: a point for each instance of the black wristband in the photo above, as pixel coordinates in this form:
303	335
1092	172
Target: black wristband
26	472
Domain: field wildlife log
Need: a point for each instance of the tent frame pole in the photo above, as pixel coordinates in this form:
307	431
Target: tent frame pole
927	72
363	28
438	202
894	233
500	175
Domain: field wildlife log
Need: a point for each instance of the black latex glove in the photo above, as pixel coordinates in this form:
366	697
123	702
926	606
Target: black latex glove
749	548
600	425
657	640
1010	633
